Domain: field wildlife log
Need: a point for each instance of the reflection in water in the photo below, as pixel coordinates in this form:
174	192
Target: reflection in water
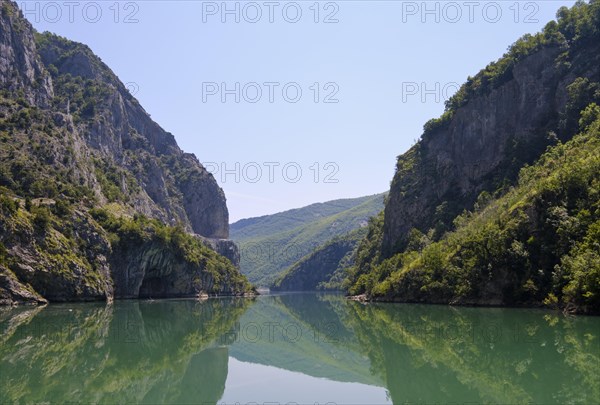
128	352
442	354
181	351
302	333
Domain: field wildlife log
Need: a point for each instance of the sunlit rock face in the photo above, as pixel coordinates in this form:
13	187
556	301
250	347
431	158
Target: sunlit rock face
73	132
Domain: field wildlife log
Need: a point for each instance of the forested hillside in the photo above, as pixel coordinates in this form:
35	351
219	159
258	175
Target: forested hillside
270	244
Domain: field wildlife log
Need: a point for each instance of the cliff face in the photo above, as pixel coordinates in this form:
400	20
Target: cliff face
12	291
173	185
537	244
20	67
497	204
107	124
87	256
151	270
74	139
484	145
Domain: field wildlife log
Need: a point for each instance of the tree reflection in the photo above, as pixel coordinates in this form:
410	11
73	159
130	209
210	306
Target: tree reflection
132	351
434	353
178	351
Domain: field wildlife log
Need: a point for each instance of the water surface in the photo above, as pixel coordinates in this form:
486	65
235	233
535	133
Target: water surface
302	348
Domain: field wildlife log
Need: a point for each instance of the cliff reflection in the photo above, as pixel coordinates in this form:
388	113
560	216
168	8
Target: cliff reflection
180	351
445	354
432	354
150	352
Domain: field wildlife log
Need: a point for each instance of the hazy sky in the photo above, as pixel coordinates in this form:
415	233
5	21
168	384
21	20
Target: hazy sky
328	93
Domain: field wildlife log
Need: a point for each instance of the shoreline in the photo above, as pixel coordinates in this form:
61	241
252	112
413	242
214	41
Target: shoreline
567	311
198	297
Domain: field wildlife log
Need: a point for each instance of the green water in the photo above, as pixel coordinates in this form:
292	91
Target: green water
301	348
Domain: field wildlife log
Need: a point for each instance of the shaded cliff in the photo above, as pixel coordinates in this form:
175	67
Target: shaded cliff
537	96
537	244
148	259
72	139
487	134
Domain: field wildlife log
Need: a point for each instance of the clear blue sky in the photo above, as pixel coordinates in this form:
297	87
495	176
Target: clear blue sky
170	52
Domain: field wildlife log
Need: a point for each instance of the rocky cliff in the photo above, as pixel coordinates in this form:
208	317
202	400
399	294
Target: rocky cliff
475	213
485	143
21	70
158	179
73	138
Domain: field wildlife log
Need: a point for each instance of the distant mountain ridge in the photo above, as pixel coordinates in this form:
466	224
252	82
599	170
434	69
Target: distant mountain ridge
325	268
270	244
259	226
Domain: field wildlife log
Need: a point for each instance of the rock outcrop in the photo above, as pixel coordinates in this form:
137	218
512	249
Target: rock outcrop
484	145
152	270
497	202
225	247
173	186
20	67
12	291
73	140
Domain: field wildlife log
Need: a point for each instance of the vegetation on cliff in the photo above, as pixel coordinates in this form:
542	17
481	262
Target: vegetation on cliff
519	225
538	243
575	29
127	233
271	244
83	169
324	268
52	249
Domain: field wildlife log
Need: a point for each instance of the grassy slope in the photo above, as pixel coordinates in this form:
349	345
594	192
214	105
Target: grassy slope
274	245
254	228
